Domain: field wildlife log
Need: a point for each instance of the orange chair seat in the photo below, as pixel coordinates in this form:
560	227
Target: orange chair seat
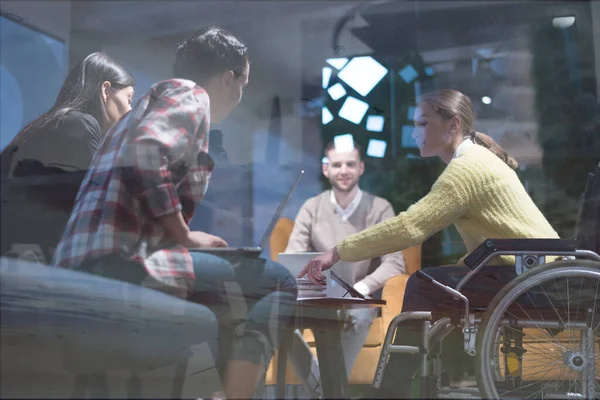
374	339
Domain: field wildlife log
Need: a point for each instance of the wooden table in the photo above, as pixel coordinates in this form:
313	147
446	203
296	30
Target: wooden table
320	315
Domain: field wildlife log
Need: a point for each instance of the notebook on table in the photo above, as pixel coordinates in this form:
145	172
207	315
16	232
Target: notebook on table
337	284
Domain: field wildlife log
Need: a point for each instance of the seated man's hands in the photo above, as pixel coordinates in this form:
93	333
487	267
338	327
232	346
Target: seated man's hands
176	227
199	239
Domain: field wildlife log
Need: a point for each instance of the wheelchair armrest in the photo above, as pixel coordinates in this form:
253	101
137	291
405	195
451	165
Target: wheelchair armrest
540	246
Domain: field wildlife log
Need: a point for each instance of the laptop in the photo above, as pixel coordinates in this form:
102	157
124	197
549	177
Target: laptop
254	251
337	277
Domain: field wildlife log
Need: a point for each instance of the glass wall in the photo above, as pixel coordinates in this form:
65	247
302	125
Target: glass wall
528	67
32	68
325	71
320	72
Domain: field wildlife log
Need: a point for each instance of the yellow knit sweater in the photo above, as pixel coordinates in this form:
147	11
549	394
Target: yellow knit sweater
477	192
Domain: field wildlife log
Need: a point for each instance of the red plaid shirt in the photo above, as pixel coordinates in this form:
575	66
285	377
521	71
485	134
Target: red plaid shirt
154	162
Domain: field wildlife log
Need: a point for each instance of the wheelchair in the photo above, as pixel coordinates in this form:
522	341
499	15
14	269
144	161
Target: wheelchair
540	335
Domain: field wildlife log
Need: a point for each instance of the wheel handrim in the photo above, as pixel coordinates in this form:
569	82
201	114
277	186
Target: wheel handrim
572	358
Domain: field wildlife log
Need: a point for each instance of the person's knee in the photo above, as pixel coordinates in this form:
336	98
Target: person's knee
211	259
360	315
212	268
413	295
413	285
277	272
421	295
359	321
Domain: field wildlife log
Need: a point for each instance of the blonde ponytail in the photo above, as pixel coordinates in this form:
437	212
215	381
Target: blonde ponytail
449	103
484	140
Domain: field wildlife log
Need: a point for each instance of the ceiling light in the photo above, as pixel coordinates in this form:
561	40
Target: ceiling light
326	116
337	91
375	123
376	148
363	74
408	73
343	143
337	63
353	110
563	22
486	100
326	76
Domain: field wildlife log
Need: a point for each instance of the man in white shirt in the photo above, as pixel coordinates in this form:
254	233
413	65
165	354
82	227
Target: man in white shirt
321	223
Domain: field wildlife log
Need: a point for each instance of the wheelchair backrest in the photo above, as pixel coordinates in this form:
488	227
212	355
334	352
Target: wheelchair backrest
588	221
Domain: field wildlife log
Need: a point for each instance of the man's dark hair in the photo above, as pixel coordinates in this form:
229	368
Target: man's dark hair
209	52
331	146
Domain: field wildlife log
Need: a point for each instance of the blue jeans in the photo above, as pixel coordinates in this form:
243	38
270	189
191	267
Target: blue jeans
254	300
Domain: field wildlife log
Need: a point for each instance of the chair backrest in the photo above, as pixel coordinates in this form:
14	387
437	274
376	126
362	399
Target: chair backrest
283	229
100	319
280	237
588	221
6	159
35	208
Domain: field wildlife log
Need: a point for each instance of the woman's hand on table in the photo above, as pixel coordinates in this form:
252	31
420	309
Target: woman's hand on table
318	264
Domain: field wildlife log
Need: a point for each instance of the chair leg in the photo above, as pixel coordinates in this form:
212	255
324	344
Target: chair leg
284	344
79	390
98	386
179	380
134	386
388	347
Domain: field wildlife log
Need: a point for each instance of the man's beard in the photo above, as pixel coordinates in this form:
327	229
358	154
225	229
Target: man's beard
336	186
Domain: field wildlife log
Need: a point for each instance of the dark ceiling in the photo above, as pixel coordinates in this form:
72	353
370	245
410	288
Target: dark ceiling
390	32
156	18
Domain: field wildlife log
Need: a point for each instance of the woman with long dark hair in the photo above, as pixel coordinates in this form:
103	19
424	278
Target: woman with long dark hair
95	95
59	144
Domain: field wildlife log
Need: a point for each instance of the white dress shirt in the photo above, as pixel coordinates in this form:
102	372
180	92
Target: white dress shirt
462	147
347	212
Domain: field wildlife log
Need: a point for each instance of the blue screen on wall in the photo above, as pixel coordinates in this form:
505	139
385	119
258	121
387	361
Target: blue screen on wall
33	67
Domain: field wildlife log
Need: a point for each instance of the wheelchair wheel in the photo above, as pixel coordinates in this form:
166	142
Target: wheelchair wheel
540	335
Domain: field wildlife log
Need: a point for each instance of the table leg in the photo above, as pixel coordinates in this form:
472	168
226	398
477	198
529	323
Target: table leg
334	379
284	345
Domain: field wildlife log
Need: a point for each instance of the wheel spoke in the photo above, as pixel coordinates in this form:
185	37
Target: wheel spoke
559	294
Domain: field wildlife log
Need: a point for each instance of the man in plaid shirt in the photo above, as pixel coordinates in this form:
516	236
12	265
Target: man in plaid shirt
146	171
132	212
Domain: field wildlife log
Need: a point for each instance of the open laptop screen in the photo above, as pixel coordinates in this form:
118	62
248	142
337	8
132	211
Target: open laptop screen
353	292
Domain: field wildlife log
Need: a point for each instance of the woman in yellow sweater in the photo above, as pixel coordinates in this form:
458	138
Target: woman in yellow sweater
478	192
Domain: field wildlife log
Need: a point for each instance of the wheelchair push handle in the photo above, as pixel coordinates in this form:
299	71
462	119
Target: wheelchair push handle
451	291
423	276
